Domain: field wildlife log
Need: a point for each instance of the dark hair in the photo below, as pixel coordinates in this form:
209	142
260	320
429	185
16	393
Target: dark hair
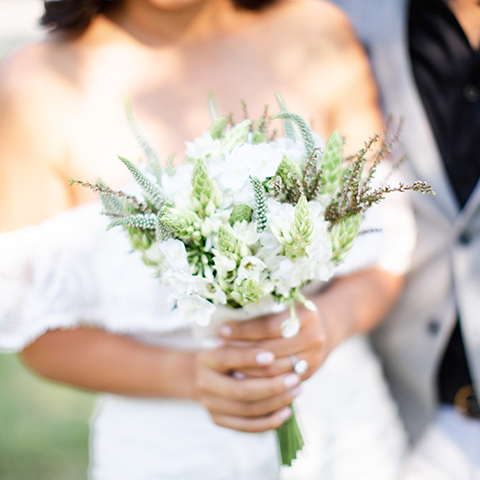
75	15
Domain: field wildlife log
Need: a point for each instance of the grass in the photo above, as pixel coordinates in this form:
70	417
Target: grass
43	426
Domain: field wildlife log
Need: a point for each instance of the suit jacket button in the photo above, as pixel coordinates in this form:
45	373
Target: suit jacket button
471	93
433	327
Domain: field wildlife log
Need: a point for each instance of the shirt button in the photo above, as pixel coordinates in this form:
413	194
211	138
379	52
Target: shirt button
471	93
433	327
464	239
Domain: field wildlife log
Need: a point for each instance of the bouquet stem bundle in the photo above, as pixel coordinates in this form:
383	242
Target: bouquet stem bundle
290	439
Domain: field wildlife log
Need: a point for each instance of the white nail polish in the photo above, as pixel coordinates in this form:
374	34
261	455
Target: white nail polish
238	375
311	306
291	380
264	358
296	391
225	330
285	413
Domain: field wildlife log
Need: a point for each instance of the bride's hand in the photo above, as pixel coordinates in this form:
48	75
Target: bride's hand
246	404
310	344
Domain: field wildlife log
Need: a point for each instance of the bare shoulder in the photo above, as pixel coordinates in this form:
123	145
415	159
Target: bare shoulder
34	102
35	76
319	20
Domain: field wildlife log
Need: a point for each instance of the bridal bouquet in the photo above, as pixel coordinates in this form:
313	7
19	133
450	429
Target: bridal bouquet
248	219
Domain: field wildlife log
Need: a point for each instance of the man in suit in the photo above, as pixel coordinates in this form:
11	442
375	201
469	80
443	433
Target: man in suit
426	58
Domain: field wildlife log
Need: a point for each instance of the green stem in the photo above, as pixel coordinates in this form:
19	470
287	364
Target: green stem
290	440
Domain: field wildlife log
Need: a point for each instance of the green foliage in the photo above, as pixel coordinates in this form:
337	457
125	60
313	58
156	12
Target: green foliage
249	291
332	165
100	188
217	128
140	221
153	160
227	243
162	232
301	230
343	234
305	130
312	176
113	205
212	107
260	204
286	185
179	224
288	129
151	191
260	128
203	189
241	212
356	195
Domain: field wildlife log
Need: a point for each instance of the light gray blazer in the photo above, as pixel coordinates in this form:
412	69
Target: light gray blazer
445	273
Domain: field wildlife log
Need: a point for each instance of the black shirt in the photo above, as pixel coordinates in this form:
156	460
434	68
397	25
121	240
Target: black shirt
447	72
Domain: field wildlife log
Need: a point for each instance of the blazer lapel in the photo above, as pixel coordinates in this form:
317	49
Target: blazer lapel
395	74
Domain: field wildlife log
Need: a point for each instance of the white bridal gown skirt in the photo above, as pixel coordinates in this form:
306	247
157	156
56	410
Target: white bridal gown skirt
350	425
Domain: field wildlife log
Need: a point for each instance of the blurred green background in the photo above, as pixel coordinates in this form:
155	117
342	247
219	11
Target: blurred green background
43	426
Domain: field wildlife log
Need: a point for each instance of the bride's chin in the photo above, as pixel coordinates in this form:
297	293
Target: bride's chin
173	5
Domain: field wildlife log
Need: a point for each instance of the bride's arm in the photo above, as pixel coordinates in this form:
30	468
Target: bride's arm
96	360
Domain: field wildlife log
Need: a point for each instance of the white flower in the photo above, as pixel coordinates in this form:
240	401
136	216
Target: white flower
301	272
208	288
283	212
224	265
292	149
262	159
175	254
264	306
270	245
180	181
196	309
235	174
180	281
280	217
281	275
250	267
203	146
246	232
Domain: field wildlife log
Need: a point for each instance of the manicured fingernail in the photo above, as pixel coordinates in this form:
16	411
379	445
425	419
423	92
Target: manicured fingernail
311	306
285	413
239	375
296	391
291	380
264	358
225	330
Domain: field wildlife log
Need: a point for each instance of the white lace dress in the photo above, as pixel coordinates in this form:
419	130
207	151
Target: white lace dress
69	271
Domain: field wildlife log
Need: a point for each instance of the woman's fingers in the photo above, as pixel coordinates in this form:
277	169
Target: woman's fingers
260	328
244	390
226	406
280	366
257	424
230	357
247	404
